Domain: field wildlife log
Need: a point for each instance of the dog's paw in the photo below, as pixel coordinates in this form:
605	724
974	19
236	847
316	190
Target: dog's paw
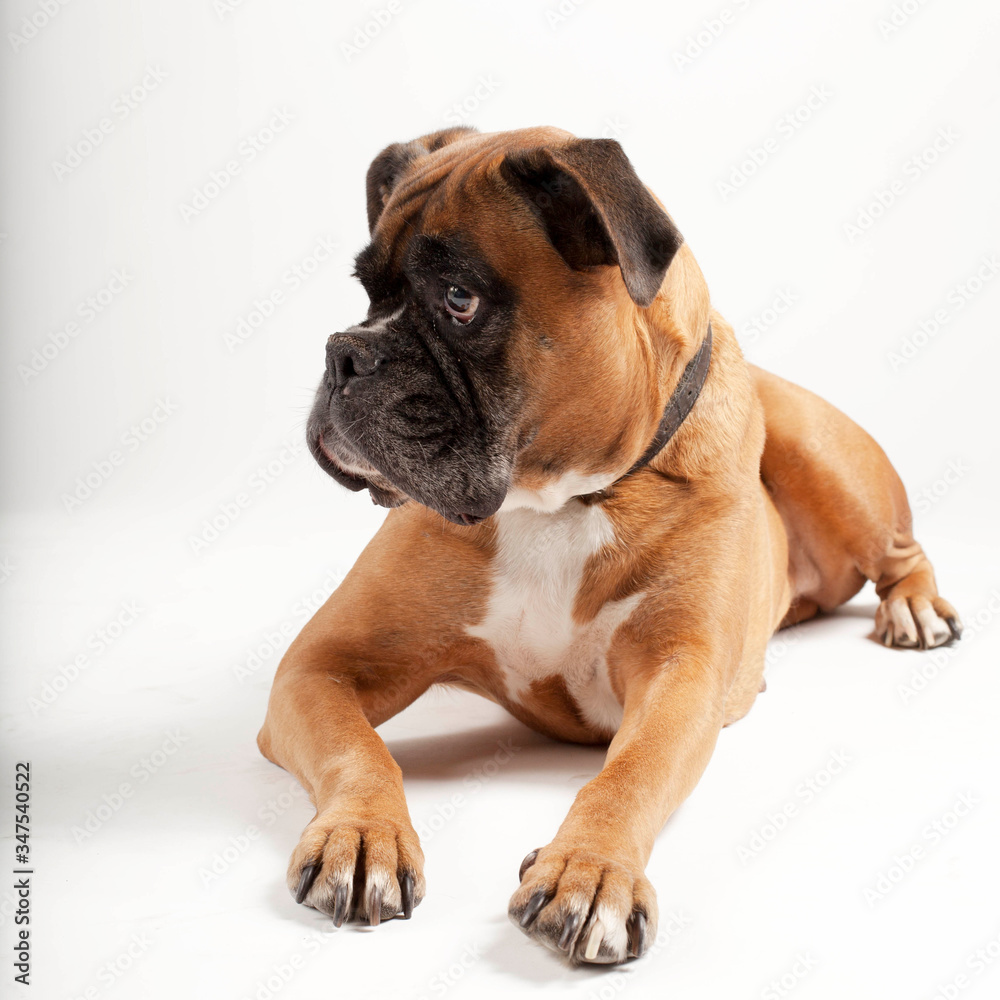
361	867
916	622
584	905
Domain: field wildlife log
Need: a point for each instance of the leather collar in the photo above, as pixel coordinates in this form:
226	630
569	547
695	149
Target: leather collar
678	406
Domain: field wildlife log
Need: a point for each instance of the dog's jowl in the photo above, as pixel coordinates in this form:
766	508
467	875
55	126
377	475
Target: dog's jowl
601	513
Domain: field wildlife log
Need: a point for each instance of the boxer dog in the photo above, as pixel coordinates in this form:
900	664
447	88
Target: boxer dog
601	513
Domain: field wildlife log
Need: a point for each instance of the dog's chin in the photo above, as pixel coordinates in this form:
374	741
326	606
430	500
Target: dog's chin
354	476
357	475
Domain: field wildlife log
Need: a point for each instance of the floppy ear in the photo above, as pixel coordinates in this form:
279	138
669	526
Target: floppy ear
595	210
390	164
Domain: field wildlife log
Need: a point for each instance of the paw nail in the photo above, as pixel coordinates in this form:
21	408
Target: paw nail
528	861
534	907
955	627
306	880
569	931
594	941
375	907
637	934
406	892
339	905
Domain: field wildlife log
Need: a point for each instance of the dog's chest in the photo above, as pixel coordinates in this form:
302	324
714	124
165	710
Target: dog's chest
529	623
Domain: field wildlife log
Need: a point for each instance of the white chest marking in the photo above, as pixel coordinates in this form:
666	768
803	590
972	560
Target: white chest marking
552	496
529	619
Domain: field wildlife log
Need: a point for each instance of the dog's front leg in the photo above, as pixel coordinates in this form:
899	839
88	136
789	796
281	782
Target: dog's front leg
585	893
360	854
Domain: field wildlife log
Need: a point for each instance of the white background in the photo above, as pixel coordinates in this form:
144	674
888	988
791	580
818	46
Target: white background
190	669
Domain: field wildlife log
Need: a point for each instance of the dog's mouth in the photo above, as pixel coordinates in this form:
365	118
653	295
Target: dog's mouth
381	491
360	476
330	465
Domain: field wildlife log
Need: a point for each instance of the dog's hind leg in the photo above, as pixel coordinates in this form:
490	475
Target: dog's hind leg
847	518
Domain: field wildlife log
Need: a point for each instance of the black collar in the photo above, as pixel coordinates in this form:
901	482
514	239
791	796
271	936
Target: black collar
679	405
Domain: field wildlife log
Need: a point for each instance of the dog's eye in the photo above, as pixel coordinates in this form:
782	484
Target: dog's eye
461	303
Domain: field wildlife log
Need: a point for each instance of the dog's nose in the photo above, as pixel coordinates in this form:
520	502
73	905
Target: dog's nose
349	356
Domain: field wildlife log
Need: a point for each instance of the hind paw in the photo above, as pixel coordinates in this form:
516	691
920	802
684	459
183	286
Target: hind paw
917	622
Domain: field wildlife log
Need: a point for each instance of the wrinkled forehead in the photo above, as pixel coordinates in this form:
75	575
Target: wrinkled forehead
457	169
450	211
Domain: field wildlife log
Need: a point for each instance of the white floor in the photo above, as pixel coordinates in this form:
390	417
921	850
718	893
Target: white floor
160	837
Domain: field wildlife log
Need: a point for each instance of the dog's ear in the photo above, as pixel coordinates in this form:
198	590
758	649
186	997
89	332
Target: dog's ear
595	210
390	164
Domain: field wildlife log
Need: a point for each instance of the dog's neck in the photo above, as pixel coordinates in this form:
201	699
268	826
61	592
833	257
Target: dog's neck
593	488
679	405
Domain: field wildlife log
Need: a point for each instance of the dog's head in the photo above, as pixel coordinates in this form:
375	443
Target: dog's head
502	357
